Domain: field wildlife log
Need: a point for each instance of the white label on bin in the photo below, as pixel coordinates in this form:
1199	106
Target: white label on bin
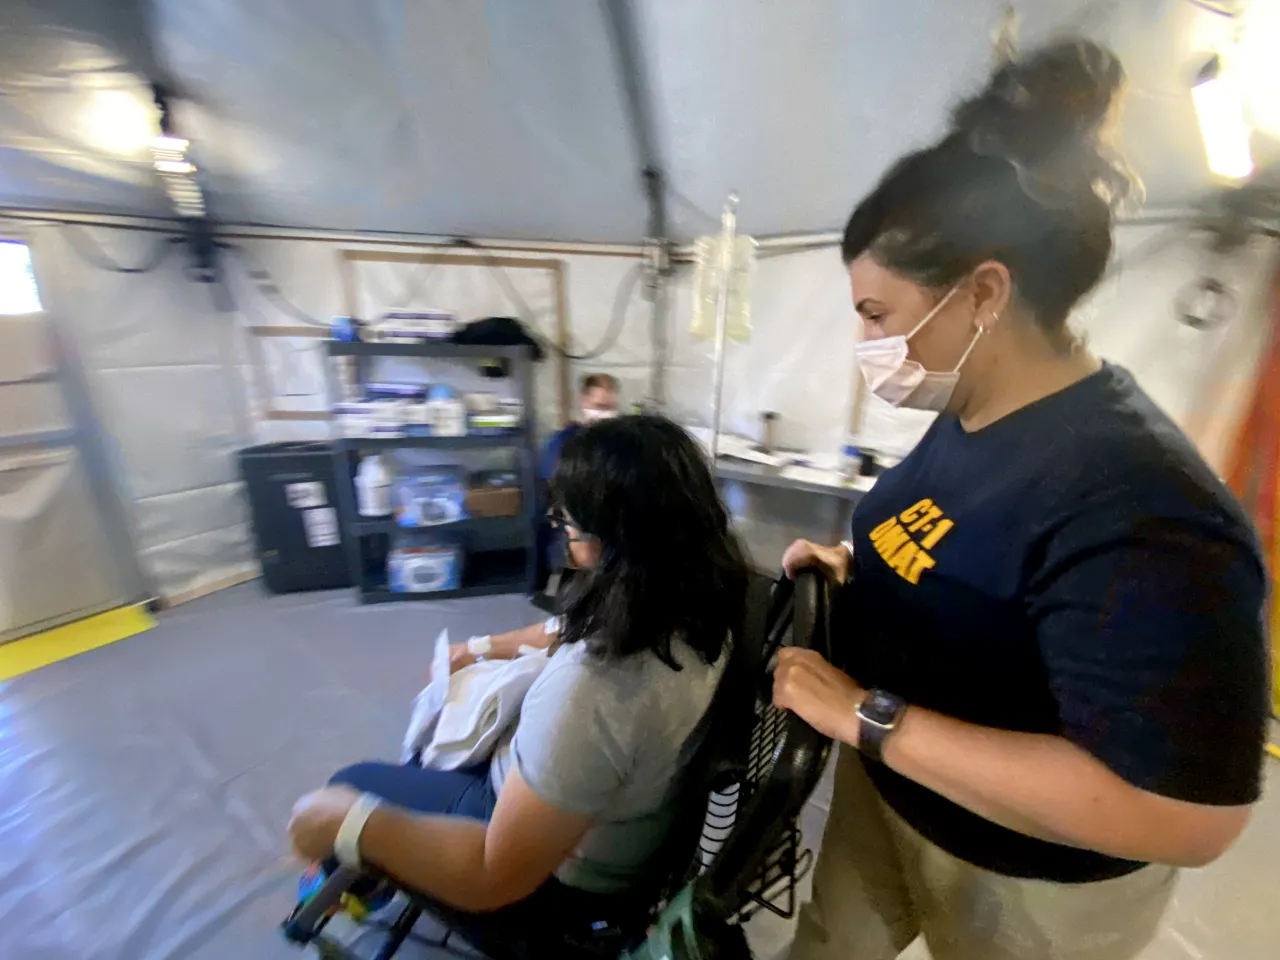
304	495
321	525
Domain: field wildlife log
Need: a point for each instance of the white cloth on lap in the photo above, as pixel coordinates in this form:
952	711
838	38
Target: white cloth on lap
458	720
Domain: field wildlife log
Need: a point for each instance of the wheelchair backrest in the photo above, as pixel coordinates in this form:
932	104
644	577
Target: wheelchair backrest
785	760
721	758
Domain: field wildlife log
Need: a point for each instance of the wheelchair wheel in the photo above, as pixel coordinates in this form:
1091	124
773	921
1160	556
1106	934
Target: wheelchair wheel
690	929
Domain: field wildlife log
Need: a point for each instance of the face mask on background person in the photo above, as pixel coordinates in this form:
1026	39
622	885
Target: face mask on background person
592	416
903	382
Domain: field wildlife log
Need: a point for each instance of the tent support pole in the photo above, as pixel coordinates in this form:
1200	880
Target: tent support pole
621	21
728	234
657	273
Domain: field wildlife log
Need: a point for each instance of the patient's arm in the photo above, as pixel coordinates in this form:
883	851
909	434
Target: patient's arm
464	863
507	646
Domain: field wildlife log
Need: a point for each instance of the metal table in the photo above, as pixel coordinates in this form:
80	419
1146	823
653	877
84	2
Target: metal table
770	509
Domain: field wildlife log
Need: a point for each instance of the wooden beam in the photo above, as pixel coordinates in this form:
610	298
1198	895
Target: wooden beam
303	415
350	285
558	269
560	285
309	333
451	259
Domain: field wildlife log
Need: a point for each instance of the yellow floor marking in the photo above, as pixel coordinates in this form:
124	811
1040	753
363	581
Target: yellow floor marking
31	653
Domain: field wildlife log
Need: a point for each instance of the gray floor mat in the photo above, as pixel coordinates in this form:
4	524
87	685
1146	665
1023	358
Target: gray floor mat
144	786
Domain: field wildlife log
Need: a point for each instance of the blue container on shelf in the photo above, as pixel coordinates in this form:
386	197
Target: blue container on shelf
424	563
429	497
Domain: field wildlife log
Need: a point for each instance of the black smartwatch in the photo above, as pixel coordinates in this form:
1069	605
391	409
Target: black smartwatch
879	713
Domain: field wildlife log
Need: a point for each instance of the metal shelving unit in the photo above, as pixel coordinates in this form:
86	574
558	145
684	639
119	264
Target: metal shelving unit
499	551
476	442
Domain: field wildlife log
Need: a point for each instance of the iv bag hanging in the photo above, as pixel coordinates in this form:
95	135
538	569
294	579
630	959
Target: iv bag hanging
708	253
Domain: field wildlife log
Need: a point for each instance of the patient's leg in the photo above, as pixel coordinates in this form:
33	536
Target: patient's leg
463	793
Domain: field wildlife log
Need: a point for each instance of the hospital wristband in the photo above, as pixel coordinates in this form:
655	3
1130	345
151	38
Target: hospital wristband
479	646
346	845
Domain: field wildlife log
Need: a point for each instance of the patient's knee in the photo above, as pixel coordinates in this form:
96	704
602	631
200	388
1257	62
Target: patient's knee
360	776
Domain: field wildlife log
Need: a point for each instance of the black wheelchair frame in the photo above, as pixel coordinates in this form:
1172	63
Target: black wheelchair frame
738	851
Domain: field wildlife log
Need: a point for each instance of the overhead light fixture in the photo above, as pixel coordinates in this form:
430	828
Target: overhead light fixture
167	144
169	157
1220	112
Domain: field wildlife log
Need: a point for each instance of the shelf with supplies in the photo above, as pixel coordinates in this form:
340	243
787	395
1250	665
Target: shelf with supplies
477	554
472	441
486	575
427	349
514	530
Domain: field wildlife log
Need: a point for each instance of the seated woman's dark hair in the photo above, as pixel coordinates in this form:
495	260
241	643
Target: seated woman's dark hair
670	566
1023	177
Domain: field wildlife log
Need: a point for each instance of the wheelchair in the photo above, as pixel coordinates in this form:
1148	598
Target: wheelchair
733	852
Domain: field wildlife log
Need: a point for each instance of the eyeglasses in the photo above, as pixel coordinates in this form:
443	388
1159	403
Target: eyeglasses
558	519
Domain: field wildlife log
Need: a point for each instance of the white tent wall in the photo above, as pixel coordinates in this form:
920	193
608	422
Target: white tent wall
166	376
55	561
1203	379
799	362
308	274
181	385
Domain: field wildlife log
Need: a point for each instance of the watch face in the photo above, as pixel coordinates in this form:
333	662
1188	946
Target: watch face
881	707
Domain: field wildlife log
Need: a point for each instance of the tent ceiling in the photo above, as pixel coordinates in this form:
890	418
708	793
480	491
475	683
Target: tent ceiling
504	118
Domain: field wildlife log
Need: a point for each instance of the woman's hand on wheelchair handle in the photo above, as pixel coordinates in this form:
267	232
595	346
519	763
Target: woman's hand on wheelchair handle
825	698
313	828
832	561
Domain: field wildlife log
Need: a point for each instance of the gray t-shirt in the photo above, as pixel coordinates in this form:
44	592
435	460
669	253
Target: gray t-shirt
606	740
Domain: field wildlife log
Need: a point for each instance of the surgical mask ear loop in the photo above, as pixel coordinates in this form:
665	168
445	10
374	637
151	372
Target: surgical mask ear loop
932	313
969	349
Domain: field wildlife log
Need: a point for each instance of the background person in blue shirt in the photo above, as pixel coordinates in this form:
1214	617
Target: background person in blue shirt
597	400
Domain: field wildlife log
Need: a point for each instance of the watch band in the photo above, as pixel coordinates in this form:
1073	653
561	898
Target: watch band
346	846
848	546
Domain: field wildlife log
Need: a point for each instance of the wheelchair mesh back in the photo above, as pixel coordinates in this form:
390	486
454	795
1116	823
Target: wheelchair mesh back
750	842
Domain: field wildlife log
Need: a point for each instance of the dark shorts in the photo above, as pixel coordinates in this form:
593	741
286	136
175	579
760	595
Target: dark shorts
576	922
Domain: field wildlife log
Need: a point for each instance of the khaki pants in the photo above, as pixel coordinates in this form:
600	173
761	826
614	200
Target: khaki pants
878	884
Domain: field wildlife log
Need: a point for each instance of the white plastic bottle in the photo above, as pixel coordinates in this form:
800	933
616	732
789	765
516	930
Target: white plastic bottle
850	459
373	487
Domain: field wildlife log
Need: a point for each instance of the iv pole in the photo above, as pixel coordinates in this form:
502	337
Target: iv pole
728	232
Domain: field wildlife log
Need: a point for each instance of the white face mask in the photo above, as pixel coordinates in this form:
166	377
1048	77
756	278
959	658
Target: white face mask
903	382
592	416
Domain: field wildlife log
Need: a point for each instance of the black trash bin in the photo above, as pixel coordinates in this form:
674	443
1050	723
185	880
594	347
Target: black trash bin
293	504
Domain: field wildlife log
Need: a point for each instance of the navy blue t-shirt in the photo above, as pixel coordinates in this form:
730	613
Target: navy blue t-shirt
551	451
1075	569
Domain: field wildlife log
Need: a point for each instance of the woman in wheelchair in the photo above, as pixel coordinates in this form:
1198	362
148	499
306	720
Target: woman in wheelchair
569	821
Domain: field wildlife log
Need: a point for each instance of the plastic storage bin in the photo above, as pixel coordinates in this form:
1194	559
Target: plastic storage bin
424	563
293	506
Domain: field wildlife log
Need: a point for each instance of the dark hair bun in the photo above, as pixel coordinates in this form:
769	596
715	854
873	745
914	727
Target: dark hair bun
1047	114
